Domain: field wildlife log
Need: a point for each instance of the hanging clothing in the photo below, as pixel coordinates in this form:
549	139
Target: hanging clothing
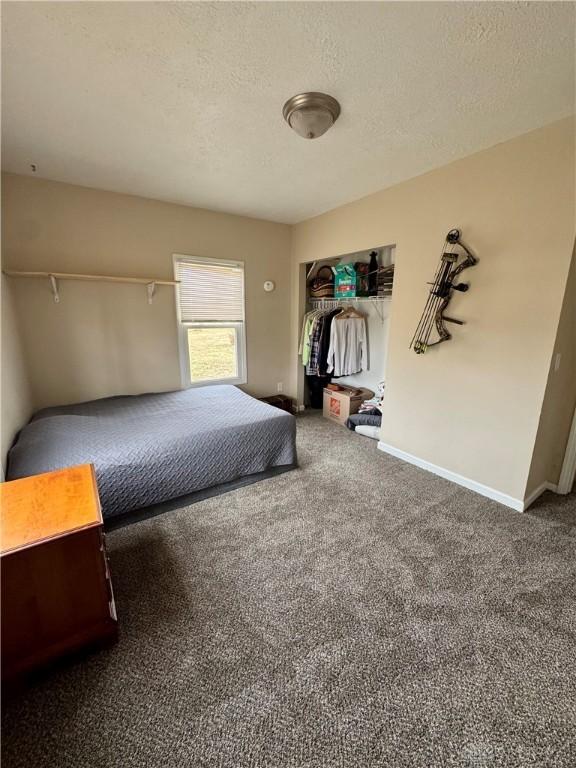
316	385
304	349
347	353
312	369
305	337
315	340
324	344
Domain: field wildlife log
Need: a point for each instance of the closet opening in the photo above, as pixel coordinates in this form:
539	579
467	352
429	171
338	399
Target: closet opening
344	325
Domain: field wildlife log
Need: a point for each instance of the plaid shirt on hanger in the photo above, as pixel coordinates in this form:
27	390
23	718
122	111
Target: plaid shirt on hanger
312	369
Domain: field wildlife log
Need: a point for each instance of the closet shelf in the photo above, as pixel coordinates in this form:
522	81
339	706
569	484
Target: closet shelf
369	301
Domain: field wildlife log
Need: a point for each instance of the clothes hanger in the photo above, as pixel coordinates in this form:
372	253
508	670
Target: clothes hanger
350	312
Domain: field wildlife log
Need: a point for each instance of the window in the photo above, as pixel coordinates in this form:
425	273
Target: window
211	321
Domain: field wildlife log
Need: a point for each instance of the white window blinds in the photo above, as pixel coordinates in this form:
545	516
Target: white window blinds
210	292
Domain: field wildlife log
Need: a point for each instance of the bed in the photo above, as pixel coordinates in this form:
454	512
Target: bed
147	449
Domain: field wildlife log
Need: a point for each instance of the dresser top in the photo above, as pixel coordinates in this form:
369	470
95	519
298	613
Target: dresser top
34	509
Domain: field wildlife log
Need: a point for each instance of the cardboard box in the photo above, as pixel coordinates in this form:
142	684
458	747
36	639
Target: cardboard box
339	405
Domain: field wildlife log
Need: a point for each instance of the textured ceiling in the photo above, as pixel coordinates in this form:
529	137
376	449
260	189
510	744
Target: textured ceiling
183	101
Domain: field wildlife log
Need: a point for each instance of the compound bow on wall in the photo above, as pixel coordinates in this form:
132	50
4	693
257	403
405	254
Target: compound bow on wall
441	293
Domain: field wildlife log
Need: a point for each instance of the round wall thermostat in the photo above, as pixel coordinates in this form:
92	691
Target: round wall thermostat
269	286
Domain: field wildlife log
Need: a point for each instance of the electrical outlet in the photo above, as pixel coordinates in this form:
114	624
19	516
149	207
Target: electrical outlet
279	386
557	360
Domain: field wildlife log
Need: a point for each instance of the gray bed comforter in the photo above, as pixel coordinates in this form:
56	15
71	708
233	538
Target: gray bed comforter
151	448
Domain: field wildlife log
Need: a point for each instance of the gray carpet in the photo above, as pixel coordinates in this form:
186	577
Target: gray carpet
355	612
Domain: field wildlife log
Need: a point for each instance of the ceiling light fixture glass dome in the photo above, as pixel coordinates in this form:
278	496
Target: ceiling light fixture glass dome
311	114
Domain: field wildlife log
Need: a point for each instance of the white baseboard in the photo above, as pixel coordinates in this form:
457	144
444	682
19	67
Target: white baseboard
484	490
531	498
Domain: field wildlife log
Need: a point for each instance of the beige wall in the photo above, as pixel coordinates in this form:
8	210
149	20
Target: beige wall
104	339
471	405
15	394
560	397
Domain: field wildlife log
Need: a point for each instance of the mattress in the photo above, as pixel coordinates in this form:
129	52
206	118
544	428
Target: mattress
147	449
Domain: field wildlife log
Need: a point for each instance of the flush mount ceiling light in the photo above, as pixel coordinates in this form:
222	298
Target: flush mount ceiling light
311	114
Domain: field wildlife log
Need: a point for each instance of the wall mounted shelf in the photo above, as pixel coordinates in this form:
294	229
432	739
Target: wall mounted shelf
53	277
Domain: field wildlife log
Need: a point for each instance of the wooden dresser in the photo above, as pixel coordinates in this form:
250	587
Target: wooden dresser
56	590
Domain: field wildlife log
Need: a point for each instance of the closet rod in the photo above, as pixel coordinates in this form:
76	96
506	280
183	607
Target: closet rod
106	278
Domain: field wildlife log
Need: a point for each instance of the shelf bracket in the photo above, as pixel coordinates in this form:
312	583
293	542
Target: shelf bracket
379	307
151	290
54	286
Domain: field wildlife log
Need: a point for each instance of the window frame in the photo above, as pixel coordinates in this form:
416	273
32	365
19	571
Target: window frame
239	326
